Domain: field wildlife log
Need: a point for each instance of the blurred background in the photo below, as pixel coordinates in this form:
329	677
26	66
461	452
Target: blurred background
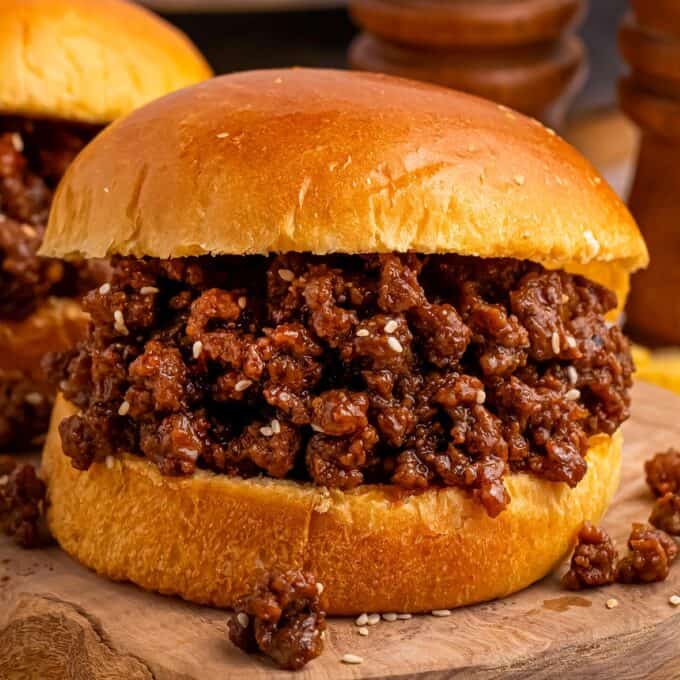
244	34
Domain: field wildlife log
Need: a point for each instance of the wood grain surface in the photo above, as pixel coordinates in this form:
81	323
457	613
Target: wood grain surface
58	620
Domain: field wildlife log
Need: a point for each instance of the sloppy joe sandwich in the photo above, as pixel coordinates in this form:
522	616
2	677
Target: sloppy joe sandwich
68	68
357	325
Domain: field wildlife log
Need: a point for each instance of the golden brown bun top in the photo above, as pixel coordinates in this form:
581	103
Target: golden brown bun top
89	60
333	161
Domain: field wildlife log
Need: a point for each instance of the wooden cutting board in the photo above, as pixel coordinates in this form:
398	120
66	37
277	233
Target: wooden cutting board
58	620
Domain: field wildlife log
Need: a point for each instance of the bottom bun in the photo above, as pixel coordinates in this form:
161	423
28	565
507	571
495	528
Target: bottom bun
26	394
54	327
208	538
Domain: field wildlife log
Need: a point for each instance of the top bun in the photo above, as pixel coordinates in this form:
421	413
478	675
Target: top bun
333	161
89	60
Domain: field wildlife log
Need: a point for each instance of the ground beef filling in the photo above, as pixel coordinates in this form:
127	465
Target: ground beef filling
663	473
663	478
651	553
33	157
594	560
282	618
666	514
343	370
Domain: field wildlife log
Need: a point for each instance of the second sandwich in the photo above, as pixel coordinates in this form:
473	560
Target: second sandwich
69	67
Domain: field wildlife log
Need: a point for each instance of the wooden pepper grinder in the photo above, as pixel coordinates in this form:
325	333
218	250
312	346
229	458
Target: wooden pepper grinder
650	42
521	53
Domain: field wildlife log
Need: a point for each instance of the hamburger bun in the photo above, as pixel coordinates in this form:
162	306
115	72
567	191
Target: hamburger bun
330	161
372	549
326	162
88	61
26	394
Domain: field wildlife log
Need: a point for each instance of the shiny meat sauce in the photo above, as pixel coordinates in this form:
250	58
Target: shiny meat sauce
33	157
409	370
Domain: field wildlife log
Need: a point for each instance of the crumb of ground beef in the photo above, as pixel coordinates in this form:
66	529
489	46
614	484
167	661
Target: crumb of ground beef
409	369
282	618
594	560
651	554
663	472
25	406
22	501
666	514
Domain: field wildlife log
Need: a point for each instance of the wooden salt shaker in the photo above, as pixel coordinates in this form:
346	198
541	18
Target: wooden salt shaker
521	53
650	42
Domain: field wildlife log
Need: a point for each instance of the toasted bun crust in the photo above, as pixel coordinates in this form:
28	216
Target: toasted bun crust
333	161
209	537
89	60
54	327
